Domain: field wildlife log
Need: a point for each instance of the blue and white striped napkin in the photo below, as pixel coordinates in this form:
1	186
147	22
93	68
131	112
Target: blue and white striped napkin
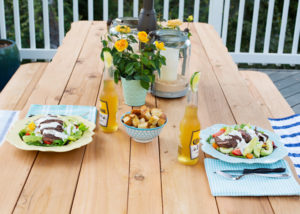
288	129
87	112
7	118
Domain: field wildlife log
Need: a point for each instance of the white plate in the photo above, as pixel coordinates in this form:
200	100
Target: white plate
14	138
279	153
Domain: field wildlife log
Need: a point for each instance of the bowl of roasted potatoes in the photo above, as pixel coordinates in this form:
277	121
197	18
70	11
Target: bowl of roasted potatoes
144	124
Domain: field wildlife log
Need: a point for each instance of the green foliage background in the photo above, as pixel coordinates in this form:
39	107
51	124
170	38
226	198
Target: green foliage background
173	13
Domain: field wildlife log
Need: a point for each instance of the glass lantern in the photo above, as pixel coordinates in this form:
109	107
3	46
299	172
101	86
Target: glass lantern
172	81
128	21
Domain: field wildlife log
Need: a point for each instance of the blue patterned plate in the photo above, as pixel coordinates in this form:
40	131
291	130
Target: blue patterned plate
279	153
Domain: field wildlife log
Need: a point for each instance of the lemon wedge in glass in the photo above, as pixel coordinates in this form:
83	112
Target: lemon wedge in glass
107	59
194	82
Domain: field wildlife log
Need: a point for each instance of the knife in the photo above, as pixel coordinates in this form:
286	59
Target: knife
257	170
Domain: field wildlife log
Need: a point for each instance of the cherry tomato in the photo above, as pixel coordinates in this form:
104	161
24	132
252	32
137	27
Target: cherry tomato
237	152
47	142
220	132
27	133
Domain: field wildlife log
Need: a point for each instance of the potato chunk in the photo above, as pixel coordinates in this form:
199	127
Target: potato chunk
136	122
144	117
144	109
153	120
156	112
143	125
137	112
161	122
127	120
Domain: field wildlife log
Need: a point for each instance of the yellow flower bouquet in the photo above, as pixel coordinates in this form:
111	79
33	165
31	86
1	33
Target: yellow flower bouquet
134	65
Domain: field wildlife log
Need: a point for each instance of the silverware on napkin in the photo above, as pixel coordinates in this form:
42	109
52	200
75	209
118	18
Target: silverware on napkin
234	177
257	170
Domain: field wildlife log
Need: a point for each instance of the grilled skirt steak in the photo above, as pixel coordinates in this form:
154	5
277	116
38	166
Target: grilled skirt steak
50	138
228	143
245	136
52	121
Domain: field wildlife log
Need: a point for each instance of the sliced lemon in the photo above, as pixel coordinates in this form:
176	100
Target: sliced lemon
195	81
107	59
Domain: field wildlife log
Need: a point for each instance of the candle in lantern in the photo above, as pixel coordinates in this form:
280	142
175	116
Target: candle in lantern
169	71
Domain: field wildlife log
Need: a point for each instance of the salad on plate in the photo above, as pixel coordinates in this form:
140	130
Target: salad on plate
52	131
242	141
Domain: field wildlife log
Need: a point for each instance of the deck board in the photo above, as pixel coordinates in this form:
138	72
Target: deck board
291	90
288	83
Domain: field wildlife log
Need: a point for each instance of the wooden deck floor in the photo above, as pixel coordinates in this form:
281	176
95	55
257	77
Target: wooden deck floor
288	83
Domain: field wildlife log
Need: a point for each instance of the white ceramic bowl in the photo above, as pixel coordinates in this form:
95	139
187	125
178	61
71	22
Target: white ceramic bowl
142	135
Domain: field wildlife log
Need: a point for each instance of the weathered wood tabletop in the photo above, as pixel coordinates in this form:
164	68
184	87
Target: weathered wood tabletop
114	174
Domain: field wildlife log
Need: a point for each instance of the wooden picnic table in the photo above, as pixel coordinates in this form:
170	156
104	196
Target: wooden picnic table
114	174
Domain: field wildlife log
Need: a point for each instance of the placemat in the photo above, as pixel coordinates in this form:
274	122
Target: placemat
87	112
7	118
249	185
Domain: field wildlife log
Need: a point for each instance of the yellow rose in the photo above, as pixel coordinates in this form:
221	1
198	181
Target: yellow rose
160	45
123	29
190	18
174	23
121	45
143	36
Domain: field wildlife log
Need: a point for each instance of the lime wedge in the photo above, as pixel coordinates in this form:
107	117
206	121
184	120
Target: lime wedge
107	59
195	81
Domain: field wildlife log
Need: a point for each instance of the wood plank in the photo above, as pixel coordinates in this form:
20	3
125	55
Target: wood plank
185	188
21	85
144	181
263	89
266	93
54	175
59	70
242	105
24	80
233	85
11	158
103	180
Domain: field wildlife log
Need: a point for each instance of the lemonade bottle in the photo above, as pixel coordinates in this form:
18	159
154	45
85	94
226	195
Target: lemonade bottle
189	146
108	99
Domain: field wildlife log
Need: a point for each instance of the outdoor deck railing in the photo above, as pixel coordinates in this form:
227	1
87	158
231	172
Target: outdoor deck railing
218	17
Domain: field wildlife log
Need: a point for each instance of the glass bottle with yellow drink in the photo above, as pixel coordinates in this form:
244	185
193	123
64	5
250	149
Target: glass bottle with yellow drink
189	146
108	98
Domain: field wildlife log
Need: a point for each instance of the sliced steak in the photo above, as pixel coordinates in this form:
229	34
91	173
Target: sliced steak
228	143
58	128
48	139
261	136
52	121
51	137
245	136
237	138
